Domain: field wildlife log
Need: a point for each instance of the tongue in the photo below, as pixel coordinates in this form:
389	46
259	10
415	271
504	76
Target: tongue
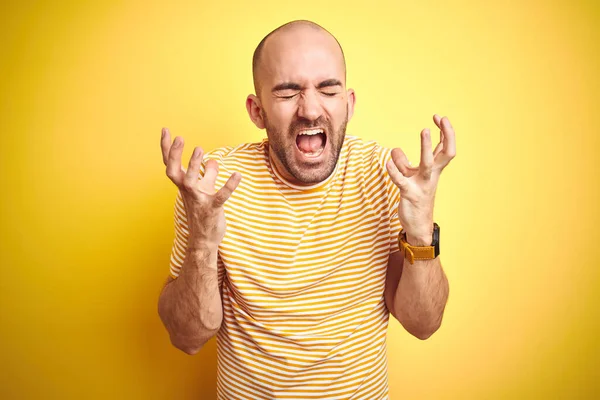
310	144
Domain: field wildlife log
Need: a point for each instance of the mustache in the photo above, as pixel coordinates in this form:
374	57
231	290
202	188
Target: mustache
303	123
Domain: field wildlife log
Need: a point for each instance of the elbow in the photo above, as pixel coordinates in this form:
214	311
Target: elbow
189	347
424	333
192	346
422	330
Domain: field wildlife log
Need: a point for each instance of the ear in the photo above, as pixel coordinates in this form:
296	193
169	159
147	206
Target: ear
351	103
253	107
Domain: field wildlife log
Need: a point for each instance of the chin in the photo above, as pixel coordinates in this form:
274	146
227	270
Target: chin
308	154
313	172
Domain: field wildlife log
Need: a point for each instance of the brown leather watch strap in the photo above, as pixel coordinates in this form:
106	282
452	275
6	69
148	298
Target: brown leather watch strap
413	253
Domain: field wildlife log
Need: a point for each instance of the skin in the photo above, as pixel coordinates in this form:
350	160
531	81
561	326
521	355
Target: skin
190	306
301	84
416	294
305	57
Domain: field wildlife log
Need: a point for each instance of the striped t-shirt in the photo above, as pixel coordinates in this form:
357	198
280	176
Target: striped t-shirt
302	272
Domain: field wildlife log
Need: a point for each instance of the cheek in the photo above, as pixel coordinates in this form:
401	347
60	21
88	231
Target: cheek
281	117
337	110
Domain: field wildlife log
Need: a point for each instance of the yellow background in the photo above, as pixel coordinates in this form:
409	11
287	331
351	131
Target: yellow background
86	208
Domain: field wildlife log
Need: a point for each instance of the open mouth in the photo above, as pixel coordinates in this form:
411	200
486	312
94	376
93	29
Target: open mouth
311	142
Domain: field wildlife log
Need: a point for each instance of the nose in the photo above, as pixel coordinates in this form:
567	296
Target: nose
309	106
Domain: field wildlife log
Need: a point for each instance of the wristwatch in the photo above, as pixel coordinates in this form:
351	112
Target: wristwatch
413	253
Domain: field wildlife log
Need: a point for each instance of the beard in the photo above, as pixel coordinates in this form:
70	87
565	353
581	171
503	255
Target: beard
284	147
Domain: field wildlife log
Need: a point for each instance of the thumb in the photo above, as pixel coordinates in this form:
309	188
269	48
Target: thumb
225	192
397	177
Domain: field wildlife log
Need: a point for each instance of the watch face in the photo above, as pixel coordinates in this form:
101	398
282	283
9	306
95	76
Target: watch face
436	238
436	233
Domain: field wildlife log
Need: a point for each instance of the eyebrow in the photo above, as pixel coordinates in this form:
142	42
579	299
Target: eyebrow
295	86
329	82
286	86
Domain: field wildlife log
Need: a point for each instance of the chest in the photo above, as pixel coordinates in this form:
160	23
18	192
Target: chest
304	255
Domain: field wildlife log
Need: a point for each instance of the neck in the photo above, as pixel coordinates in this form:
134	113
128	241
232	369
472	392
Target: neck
282	171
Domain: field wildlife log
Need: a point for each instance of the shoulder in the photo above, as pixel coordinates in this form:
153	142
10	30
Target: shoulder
366	153
235	157
243	150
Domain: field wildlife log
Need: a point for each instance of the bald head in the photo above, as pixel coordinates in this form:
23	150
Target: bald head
289	37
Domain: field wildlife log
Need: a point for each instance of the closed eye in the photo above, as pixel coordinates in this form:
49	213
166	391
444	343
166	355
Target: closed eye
287	95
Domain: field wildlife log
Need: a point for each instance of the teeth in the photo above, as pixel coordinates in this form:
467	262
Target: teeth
311	132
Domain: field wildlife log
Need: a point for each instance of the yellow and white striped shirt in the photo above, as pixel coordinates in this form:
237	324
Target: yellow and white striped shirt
303	275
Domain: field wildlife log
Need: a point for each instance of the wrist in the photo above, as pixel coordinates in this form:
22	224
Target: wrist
418	240
420	237
198	242
206	252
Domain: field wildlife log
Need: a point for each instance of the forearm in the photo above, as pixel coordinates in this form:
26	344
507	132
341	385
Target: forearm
421	296
190	306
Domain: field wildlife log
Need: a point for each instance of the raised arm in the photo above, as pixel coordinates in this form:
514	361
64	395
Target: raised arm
416	294
190	306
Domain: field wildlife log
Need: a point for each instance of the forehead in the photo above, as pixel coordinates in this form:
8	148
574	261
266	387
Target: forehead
303	55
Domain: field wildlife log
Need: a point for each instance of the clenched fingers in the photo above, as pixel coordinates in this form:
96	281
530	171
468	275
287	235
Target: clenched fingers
426	164
210	175
193	172
400	160
440	145
449	138
225	192
174	170
165	144
449	147
397	177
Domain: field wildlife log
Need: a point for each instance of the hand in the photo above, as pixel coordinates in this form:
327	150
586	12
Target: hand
418	184
204	207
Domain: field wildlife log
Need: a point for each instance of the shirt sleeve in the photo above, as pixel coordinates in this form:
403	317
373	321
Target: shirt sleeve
393	199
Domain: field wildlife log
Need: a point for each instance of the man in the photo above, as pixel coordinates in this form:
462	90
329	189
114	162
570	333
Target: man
296	267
